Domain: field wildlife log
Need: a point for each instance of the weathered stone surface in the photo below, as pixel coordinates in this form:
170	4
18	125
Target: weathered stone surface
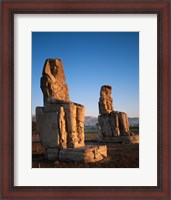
123	124
62	129
80	124
70	110
47	126
52	154
61	122
70	119
74	120
114	122
121	139
105	127
111	123
85	154
105	100
53	83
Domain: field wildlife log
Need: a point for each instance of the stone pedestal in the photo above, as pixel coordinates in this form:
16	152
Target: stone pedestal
86	154
61	127
133	139
52	154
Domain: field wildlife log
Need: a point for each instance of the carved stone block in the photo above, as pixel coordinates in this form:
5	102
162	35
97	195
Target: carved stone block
47	126
86	154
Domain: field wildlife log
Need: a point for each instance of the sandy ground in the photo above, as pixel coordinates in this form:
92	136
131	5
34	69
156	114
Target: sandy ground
119	156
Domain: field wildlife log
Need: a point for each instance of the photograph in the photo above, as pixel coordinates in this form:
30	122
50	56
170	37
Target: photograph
85	100
85	104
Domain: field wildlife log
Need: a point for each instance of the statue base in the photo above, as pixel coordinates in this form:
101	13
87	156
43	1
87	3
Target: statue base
120	139
86	154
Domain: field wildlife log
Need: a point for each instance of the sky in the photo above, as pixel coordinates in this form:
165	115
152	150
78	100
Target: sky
91	59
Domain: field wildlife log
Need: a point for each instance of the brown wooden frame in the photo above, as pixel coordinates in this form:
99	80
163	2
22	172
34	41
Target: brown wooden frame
11	7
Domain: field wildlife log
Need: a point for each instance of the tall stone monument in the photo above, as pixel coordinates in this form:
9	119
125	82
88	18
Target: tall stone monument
61	122
113	125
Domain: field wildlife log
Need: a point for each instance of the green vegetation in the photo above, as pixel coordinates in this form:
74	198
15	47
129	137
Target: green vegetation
90	129
134	127
94	130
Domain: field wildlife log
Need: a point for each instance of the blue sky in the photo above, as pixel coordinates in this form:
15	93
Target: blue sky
91	59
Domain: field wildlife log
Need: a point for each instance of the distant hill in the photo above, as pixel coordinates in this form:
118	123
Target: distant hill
92	121
133	121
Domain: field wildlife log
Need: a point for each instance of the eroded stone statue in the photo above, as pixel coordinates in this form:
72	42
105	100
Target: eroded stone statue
56	99
53	83
105	101
112	123
60	122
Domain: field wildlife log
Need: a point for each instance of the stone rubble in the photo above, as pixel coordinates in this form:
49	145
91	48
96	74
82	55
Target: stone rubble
89	153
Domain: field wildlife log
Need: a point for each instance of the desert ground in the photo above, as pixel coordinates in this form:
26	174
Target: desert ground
119	155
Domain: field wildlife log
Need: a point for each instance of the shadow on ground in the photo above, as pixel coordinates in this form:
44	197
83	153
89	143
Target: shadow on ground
119	156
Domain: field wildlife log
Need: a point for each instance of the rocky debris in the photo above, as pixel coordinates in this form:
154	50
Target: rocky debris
111	123
118	156
87	154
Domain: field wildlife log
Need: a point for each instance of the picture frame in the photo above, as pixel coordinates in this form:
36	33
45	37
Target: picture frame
8	10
